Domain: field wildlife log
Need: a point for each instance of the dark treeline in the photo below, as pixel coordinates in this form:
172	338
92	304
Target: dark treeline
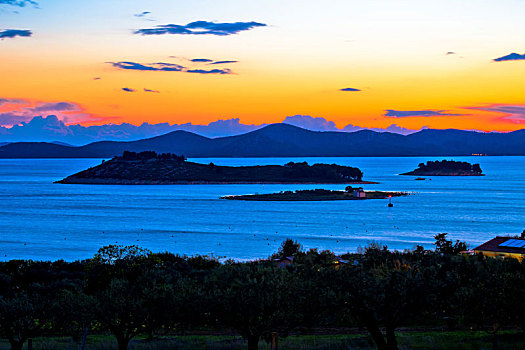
321	170
128	291
450	165
127	155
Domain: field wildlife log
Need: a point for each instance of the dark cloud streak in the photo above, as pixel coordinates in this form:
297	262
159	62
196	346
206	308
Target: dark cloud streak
211	71
201	60
423	113
223	62
165	67
19	3
200	28
12	33
510	57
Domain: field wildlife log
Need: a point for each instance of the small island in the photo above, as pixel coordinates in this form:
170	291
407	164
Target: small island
150	168
318	195
446	168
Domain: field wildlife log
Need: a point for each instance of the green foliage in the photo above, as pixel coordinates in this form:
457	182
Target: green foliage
289	247
131	292
448	247
113	253
450	165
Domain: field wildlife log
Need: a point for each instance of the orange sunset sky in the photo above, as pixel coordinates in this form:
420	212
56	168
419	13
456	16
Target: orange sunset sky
441	64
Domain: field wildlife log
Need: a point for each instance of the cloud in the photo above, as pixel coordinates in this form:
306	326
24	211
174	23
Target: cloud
201	28
16	111
160	66
127	89
211	71
149	90
97	78
511	112
199	60
142	14
166	67
4	101
19	3
450	53
52	128
310	123
55	107
349	89
223	62
393	128
510	57
11	33
424	113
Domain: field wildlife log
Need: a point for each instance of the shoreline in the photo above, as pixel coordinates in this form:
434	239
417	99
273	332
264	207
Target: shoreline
144	182
314	196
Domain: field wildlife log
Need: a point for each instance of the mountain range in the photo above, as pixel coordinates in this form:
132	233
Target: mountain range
283	140
53	129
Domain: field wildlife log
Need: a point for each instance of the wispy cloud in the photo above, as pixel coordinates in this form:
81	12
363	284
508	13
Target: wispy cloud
149	90
510	57
211	71
12	33
200	28
128	89
55	107
349	89
201	60
450	53
4	101
19	3
223	62
142	14
423	113
511	112
166	67
15	111
160	66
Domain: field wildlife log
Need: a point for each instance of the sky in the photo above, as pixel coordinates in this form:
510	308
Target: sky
438	64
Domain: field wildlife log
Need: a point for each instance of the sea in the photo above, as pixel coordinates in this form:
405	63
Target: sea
41	220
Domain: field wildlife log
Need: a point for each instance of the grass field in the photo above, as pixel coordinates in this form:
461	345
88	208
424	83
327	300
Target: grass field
460	340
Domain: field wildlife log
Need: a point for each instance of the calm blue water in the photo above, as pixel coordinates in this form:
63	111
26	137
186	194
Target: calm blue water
42	220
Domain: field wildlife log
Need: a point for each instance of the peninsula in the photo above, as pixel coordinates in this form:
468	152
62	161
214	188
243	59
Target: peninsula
446	168
150	168
318	195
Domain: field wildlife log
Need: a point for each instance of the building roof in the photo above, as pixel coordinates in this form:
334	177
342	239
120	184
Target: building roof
494	245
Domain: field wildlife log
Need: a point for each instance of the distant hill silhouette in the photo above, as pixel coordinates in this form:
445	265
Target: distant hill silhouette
283	140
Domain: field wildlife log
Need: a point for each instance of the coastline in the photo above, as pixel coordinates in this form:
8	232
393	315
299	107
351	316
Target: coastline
143	182
314	196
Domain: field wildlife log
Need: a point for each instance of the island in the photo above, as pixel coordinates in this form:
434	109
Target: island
446	168
150	168
318	195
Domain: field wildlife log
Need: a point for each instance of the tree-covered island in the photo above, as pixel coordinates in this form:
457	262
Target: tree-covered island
148	167
318	194
446	168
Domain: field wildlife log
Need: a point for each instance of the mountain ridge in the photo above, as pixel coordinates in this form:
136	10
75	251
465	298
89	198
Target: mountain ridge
283	140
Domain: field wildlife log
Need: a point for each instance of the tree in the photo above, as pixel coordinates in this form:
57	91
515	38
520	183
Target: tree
448	247
74	313
22	316
382	290
253	299
289	247
120	279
